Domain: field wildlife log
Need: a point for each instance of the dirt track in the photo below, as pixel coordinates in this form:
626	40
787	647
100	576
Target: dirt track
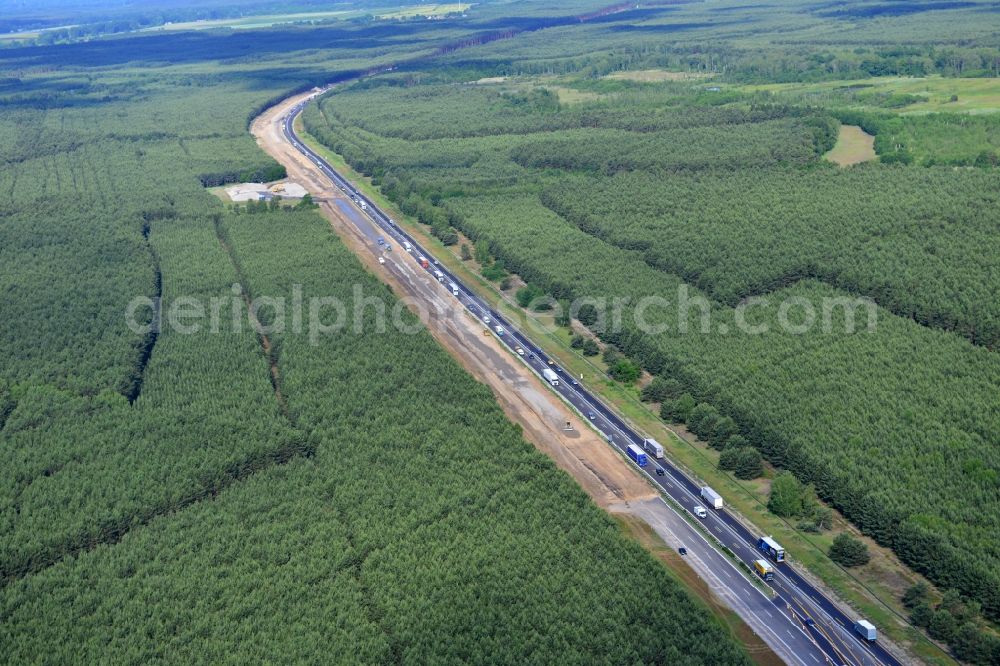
601	472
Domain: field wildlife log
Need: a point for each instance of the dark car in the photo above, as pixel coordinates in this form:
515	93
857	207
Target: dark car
682	550
591	415
660	471
576	383
531	355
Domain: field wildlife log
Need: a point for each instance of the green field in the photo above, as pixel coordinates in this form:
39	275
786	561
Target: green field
262	21
271	20
929	94
853	147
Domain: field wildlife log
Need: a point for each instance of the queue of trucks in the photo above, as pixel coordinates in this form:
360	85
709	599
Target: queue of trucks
650	446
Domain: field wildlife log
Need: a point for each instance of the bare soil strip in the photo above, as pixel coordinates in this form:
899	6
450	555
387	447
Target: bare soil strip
601	472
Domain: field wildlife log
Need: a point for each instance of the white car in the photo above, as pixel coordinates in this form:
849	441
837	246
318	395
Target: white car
700	511
519	351
381	260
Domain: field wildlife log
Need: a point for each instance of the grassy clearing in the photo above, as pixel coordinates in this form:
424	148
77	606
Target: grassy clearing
935	93
658	75
16	36
246	22
853	146
571	96
426	10
269	20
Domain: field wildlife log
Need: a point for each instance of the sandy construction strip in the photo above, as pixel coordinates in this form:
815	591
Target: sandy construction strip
526	400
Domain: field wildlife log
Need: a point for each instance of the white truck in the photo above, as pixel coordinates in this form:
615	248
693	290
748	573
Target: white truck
454	288
654	447
550	376
866	630
439	275
713	498
408	246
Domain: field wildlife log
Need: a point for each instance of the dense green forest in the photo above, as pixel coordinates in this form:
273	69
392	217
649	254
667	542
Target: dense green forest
641	189
226	495
406	536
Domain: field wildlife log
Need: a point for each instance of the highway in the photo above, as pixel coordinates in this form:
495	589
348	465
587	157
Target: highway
809	625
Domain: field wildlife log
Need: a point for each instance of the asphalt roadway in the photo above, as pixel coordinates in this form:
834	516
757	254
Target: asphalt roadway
800	623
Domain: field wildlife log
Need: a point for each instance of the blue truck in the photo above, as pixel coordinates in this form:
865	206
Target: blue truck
770	547
637	454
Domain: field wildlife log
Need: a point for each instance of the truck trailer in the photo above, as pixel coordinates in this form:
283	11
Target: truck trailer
763	569
713	498
550	377
771	548
439	275
866	630
637	455
654	447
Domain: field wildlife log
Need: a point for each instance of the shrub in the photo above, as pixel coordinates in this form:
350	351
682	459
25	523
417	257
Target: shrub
625	371
737	441
786	496
848	551
661	389
677	411
703	419
724	428
494	272
587	315
749	464
916	594
526	294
